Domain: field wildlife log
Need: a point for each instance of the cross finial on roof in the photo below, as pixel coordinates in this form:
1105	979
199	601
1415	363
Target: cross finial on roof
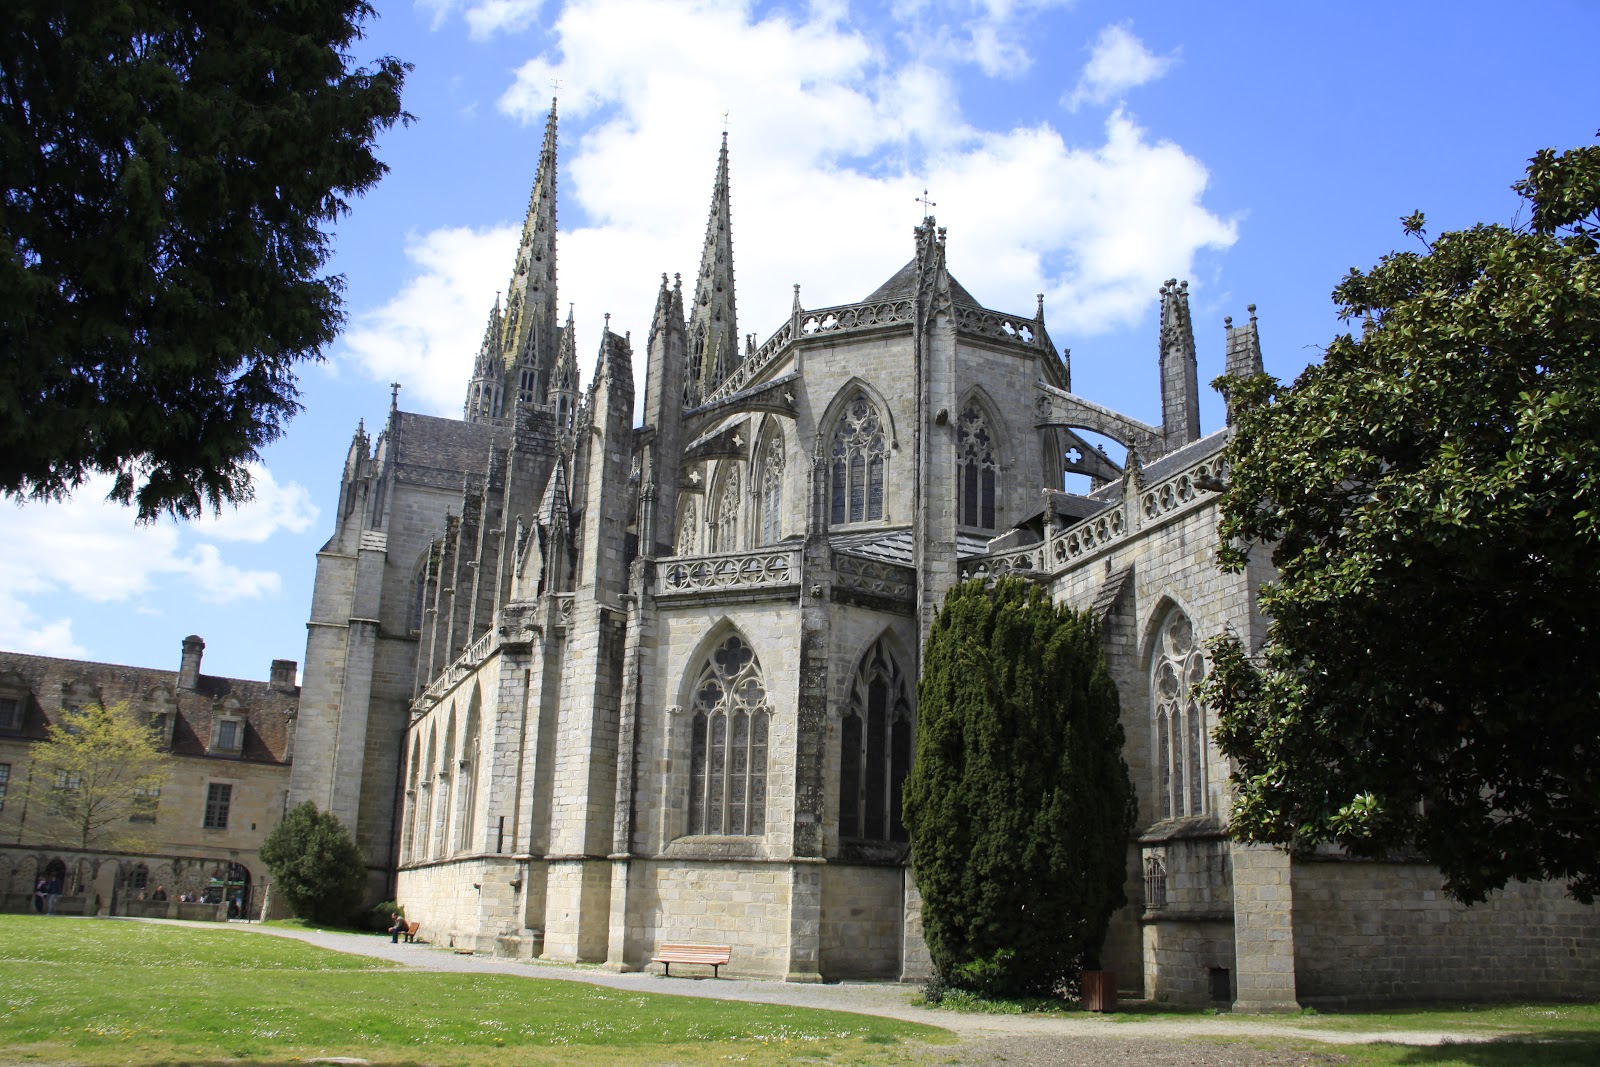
724	123
927	205
394	395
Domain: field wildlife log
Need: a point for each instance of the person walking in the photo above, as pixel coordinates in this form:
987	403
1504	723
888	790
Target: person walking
53	894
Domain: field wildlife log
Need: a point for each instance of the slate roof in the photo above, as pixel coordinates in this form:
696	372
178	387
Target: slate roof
902	285
267	711
894	546
444	444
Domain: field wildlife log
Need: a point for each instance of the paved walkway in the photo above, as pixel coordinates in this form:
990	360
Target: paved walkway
887	999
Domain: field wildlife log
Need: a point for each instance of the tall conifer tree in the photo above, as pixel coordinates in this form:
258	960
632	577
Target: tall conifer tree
1019	803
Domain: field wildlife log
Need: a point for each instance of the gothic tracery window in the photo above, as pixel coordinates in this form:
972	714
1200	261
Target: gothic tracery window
857	458
526	379
768	484
975	469
1179	720
728	761
875	750
723	535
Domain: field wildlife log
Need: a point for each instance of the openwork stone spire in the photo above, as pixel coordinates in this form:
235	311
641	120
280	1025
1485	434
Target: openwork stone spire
713	324
524	348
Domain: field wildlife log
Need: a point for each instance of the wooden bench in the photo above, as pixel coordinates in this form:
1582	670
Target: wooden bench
411	931
713	956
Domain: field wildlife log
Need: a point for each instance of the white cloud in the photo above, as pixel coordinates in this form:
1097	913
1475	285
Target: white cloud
832	139
1118	62
88	548
485	18
427	335
276	506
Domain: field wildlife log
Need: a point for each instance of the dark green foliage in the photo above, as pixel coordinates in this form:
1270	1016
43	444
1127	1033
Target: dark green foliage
166	171
1431	493
1019	803
381	915
316	865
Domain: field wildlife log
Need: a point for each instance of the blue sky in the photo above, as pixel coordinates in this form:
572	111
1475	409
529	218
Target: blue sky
1084	150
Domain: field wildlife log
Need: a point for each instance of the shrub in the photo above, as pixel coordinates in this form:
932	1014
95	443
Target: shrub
316	865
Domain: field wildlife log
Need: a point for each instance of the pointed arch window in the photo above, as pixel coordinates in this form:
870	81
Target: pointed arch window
976	469
769	489
857	457
724	526
527	385
728	761
875	750
688	527
1179	719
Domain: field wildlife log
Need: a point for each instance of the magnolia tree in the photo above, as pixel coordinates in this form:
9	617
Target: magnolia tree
1430	496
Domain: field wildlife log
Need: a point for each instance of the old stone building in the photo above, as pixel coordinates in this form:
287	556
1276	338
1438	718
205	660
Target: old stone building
584	686
231	742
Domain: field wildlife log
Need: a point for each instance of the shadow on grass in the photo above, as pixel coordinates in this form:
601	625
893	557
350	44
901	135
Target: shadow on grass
1546	1048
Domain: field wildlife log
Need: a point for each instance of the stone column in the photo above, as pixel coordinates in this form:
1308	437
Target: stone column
1263	929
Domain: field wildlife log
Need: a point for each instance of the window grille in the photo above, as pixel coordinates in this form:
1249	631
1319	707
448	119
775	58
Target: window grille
975	469
1179	720
858	457
219	798
728	757
1155	882
875	750
146	798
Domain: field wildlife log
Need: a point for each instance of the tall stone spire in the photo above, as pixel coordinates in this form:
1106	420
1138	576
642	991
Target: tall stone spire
525	345
713	323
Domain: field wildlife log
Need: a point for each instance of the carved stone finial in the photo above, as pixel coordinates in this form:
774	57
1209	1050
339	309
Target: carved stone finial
1039	314
1252	309
608	322
394	395
797	296
1227	322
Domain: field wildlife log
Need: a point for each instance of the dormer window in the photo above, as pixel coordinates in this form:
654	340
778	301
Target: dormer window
10	713
227	737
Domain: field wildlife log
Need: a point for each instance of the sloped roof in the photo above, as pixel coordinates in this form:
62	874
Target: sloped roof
265	709
895	546
902	285
444	444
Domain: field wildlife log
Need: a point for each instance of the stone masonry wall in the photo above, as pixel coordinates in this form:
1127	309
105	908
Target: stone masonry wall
1368	931
745	905
861	909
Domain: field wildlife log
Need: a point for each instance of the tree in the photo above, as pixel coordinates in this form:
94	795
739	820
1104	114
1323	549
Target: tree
166	171
1019	803
1430	673
315	864
95	777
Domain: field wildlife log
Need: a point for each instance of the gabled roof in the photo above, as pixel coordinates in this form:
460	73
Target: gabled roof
903	286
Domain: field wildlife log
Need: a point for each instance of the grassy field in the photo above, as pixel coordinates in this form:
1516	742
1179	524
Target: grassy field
95	992
98	993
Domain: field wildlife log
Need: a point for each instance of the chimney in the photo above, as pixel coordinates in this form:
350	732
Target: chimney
189	672
283	671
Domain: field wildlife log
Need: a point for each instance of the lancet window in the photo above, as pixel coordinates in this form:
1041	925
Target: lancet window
724	526
688	527
728	761
527	379
875	750
857	456
768	484
1179	719
975	469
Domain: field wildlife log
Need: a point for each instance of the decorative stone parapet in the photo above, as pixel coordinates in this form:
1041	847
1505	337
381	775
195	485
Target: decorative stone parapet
725	573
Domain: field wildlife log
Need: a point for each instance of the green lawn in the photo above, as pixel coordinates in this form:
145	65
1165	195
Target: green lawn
99	992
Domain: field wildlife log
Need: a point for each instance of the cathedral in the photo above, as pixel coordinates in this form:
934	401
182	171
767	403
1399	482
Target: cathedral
583	687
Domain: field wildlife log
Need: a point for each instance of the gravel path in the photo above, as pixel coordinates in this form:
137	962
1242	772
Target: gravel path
1014	1040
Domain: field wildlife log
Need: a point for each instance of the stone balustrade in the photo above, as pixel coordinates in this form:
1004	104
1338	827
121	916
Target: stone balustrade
766	569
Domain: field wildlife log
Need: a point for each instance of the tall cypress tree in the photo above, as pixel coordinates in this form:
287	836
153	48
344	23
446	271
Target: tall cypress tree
1019	803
